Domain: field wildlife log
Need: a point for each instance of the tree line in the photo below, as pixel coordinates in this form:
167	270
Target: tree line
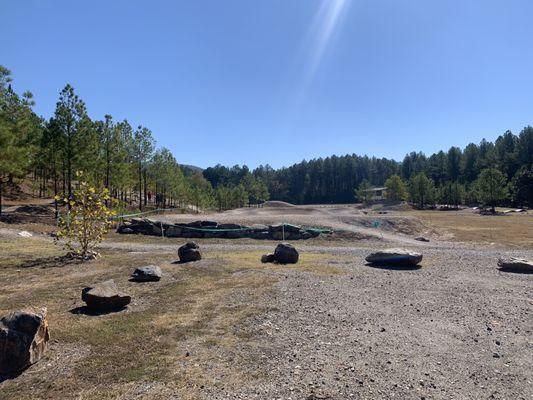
111	154
489	173
125	160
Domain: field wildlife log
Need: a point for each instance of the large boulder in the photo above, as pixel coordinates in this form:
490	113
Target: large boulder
286	254
23	340
104	296
514	264
394	257
150	273
189	252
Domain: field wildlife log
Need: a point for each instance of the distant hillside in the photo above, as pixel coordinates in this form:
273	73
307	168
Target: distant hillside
190	169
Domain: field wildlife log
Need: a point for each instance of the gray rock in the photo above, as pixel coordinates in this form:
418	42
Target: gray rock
189	252
150	273
286	254
267	258
514	264
394	257
173	231
23	340
104	296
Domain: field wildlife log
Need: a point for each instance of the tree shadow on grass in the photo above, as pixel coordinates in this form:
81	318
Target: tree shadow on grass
395	267
50	262
84	310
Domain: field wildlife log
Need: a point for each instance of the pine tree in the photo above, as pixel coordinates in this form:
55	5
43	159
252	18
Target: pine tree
396	189
491	187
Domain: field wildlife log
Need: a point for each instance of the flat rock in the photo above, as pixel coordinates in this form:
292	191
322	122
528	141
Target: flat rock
150	273
514	264
189	252
105	296
394	257
23	340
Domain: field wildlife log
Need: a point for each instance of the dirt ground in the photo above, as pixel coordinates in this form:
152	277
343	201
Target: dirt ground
330	327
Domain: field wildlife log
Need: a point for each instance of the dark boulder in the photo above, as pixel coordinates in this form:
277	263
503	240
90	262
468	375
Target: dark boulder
514	264
150	273
267	258
286	254
422	239
23	340
189	252
104	296
230	226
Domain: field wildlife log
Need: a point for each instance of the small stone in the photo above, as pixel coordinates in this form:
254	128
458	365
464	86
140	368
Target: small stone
150	273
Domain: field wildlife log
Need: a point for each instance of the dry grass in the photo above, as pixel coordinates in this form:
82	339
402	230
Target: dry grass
511	230
141	352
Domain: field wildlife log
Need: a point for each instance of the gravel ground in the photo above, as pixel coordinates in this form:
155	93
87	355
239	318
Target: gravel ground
457	328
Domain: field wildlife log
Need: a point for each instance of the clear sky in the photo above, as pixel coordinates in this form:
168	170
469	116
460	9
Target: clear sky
277	81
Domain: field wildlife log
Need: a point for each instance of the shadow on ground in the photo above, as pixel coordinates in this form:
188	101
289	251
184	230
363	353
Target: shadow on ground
394	267
515	271
84	310
49	262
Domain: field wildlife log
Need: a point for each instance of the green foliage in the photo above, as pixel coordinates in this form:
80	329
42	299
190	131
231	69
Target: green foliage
451	193
20	131
87	221
363	192
522	187
396	189
421	190
491	187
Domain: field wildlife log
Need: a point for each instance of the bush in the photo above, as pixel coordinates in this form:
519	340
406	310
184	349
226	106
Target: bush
86	223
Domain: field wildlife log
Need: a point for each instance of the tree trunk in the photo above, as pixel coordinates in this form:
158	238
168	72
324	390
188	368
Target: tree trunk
145	189
140	188
0	197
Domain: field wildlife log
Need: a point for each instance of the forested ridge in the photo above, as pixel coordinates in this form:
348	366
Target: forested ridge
126	160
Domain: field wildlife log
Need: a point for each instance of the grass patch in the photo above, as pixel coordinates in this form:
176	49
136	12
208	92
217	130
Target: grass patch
115	355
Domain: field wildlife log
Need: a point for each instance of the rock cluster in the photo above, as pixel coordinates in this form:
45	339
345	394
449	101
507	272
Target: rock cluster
23	340
394	257
104	296
189	252
212	229
283	254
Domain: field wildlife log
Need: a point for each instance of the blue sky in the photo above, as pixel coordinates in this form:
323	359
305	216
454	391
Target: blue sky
277	81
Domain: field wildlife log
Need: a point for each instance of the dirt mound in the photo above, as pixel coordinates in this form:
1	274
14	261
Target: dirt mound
394	207
277	204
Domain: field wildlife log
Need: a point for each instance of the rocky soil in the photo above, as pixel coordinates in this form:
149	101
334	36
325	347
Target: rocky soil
456	328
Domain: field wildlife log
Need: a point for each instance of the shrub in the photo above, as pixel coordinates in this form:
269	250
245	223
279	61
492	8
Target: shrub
86	223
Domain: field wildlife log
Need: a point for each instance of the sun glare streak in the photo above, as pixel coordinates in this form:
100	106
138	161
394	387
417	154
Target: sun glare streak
326	22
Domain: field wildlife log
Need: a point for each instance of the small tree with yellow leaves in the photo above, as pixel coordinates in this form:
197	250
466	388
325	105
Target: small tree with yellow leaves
87	222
